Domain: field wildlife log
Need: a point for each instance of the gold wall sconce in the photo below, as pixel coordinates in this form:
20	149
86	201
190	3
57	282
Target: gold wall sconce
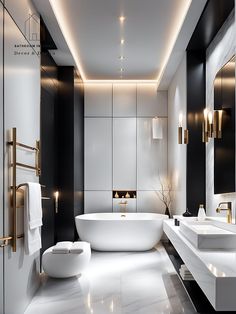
217	126
211	124
180	131
205	126
186	136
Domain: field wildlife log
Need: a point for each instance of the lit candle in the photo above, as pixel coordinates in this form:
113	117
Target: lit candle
210	117
180	120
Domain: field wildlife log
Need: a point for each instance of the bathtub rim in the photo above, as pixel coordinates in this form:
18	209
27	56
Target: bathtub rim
118	216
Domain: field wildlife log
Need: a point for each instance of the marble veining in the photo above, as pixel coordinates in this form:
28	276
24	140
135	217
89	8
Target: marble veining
116	282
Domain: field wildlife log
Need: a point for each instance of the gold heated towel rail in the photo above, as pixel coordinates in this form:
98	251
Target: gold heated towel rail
14	187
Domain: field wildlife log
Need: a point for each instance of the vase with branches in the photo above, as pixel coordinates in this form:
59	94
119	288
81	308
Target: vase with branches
164	194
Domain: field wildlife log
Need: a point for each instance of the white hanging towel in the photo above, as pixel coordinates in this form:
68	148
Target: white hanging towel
32	217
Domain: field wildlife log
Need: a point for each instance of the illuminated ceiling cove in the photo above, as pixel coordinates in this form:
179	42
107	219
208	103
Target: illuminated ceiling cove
122	40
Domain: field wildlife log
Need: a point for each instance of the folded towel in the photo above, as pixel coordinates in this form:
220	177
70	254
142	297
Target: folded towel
76	248
35	204
32	218
62	247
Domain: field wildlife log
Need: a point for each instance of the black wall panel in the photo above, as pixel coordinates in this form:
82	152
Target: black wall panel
62	146
70	134
214	15
78	149
48	146
196	167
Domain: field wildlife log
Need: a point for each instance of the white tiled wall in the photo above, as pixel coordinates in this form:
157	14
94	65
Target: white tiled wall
98	201
151	155
149	201
124	154
124	100
150	102
177	164
98	100
21	110
120	153
98	154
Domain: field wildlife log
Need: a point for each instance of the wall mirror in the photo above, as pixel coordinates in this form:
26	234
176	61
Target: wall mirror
224	147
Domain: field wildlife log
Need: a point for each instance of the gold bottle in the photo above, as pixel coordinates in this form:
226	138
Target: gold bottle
127	195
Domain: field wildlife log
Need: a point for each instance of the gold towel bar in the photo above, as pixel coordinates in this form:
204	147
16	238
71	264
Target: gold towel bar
24	146
19	164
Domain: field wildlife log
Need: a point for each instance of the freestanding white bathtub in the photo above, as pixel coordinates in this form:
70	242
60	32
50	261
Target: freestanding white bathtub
119	231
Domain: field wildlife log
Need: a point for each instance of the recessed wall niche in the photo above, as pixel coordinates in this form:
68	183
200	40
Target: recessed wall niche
224	147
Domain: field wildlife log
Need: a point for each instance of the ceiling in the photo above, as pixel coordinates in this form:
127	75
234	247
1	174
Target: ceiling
88	34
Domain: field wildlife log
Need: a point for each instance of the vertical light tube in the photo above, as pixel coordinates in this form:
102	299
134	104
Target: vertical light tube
56	195
220	112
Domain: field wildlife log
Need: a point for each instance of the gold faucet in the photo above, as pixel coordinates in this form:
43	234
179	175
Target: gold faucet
228	207
123	205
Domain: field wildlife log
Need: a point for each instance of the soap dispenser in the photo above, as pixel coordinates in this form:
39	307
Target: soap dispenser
201	213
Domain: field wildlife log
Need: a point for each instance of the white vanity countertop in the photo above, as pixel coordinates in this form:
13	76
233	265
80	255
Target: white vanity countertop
214	218
214	270
221	263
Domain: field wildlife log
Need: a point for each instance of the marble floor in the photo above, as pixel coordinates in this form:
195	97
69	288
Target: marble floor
116	282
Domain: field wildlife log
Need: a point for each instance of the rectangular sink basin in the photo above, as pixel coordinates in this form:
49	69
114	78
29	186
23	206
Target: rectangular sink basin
207	235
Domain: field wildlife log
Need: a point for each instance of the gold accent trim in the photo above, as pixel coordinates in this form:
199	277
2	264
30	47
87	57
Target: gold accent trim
186	136
5	241
180	135
217	126
204	133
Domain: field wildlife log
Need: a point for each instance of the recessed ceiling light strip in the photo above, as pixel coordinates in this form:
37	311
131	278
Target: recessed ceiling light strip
58	12
172	42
